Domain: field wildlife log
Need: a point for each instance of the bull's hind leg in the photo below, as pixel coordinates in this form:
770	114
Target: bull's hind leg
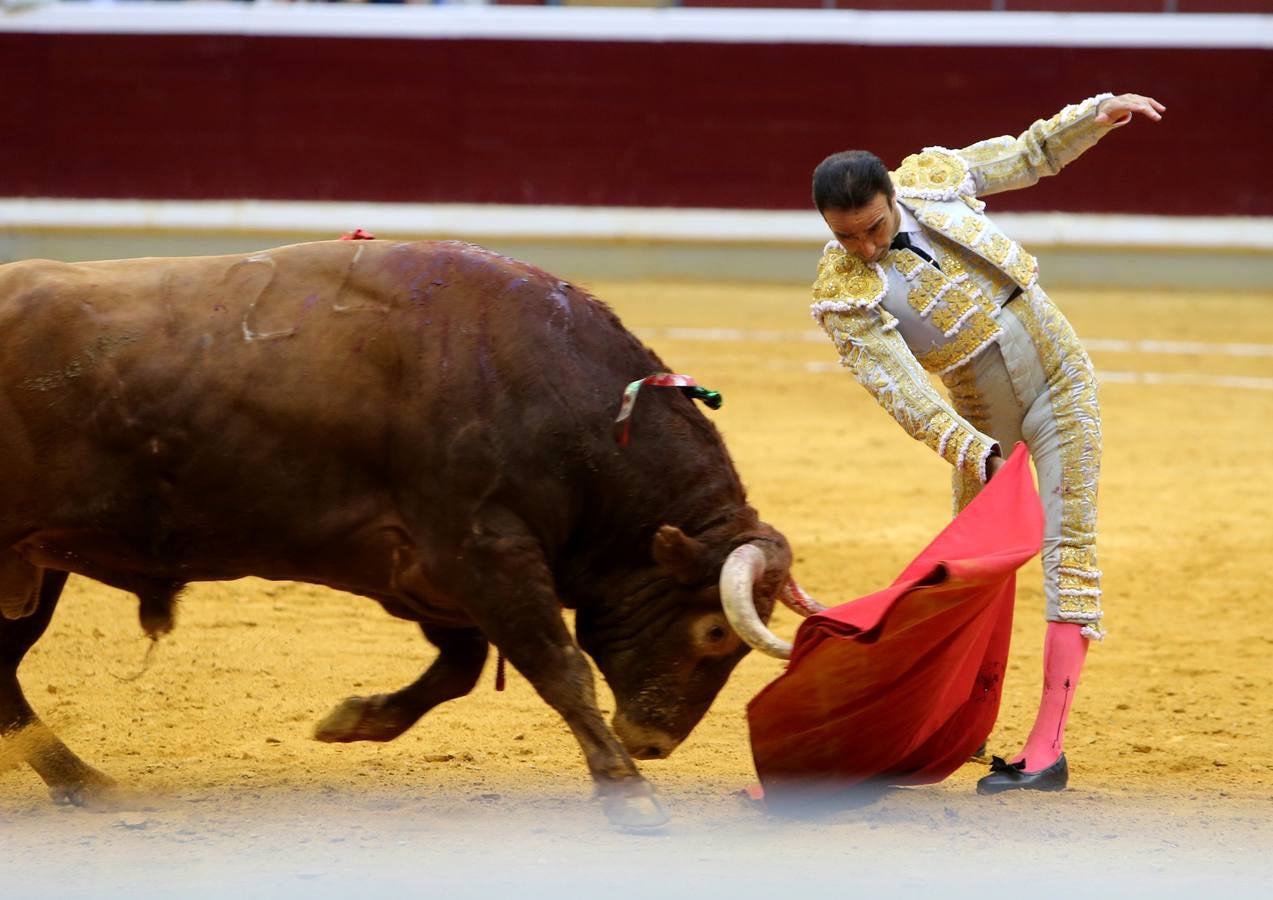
510	594
462	653
23	737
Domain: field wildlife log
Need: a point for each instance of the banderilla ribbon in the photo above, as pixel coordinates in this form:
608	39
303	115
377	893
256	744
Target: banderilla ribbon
623	423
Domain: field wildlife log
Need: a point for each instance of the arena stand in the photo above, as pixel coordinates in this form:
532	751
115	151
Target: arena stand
618	141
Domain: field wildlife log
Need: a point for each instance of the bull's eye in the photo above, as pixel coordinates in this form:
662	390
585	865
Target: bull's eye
711	637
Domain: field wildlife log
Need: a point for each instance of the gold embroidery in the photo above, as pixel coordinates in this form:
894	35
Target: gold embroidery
981	275
970	403
1007	163
975	334
955	304
975	233
907	262
990	275
964	490
926	289
1072	391
1079	558
967	231
1024	270
882	363
989	150
845	277
931	171
952	264
938	220
995	247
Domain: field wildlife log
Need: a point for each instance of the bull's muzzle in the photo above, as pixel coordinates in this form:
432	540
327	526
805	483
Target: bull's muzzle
643	741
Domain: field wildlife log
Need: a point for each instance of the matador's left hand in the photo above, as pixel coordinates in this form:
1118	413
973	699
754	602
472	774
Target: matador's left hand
1120	109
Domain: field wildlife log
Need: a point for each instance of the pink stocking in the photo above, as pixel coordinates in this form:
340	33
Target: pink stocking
1064	649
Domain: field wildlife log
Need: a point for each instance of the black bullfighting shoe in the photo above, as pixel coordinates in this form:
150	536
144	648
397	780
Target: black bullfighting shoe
1006	776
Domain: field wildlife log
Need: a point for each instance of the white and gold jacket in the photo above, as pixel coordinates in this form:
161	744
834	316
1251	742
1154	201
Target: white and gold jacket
895	319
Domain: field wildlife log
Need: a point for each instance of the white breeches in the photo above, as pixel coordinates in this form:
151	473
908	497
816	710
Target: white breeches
1036	384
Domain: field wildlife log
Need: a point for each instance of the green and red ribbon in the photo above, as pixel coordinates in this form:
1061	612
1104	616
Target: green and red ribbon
687	385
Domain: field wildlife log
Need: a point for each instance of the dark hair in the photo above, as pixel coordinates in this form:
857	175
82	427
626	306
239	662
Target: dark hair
850	180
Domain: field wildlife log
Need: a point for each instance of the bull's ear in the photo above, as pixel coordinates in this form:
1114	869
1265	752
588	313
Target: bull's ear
680	555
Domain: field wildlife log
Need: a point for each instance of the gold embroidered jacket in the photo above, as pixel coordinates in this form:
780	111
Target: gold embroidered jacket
949	313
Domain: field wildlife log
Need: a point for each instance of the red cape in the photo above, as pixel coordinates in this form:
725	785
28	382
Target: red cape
902	686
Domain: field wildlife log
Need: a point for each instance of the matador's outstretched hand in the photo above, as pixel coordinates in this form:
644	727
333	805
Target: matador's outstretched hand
1120	109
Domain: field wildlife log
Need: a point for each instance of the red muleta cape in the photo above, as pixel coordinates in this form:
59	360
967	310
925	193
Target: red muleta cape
902	686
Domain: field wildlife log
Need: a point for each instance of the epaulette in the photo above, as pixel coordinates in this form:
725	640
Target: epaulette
846	283
934	173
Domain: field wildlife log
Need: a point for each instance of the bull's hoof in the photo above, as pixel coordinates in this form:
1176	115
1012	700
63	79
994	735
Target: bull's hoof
637	811
361	719
91	790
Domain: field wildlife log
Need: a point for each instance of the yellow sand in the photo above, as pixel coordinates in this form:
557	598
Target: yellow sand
1171	724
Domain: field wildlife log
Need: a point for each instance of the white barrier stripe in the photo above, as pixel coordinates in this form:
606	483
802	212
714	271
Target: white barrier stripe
473	221
764	26
1104	345
1184	348
1172	379
1187	379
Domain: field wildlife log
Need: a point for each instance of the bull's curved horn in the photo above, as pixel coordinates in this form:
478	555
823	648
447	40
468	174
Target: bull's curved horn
794	596
742	569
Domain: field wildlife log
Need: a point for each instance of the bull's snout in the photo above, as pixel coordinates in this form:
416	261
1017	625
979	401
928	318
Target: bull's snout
643	741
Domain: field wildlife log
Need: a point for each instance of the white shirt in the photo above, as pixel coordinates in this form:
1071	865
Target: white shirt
916	231
919	333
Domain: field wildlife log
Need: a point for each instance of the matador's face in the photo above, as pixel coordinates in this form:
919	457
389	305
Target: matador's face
865	232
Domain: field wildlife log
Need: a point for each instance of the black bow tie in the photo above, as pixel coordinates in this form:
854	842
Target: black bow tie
902	241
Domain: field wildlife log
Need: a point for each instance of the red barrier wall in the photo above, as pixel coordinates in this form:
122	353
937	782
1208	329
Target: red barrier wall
599	123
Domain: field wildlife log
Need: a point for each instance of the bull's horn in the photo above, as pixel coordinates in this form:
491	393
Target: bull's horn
798	601
742	569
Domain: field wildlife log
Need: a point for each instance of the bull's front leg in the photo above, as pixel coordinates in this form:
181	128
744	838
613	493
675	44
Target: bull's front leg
511	597
567	686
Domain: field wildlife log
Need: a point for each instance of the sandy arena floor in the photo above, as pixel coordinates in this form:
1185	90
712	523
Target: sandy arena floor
1172	774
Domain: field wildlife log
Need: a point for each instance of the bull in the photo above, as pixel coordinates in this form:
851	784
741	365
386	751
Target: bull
425	424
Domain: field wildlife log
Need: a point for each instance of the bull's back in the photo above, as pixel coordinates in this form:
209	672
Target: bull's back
297	319
252	378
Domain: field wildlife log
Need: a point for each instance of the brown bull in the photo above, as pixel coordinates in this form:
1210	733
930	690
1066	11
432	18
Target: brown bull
425	424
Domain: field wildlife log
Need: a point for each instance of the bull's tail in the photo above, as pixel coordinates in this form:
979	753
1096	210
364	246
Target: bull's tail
145	662
157	609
